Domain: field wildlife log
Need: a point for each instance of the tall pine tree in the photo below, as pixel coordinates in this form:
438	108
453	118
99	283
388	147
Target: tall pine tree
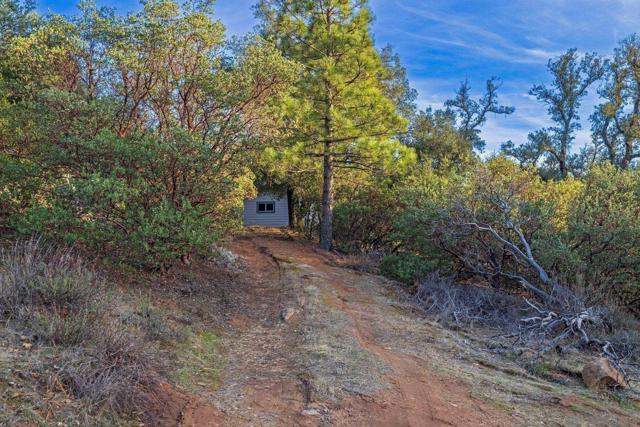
340	110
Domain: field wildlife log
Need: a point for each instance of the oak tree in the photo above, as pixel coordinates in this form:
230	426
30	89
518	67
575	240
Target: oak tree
572	75
616	122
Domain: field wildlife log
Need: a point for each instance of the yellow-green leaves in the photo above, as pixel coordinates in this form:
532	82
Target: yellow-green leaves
42	58
135	133
340	80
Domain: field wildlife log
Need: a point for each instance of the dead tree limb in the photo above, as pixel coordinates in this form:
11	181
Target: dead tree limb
557	314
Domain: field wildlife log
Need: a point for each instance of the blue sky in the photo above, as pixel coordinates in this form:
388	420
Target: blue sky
443	42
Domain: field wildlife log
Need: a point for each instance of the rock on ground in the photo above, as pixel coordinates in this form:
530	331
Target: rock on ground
601	373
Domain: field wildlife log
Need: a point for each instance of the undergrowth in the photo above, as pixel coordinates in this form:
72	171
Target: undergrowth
468	306
198	360
58	323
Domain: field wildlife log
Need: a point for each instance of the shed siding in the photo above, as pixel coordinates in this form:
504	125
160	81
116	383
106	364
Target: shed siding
279	218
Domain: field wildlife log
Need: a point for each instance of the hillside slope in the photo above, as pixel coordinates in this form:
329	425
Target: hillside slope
272	332
352	353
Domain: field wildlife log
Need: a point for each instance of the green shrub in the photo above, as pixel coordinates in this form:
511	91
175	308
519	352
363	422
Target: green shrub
145	200
363	222
413	230
143	151
584	232
406	267
603	237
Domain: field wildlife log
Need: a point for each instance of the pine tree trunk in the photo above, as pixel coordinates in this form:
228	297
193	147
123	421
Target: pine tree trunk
291	207
326	227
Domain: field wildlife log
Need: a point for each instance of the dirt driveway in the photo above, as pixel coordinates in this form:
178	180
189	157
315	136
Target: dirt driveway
329	364
352	353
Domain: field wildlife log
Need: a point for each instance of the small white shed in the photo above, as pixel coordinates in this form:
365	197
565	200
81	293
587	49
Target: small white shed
267	210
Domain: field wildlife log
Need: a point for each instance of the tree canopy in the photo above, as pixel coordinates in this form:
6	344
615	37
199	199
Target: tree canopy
342	107
140	136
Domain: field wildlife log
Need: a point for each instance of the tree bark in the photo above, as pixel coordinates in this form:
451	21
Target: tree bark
564	147
326	227
564	171
628	153
291	207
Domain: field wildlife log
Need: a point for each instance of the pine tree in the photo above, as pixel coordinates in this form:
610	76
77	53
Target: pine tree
339	111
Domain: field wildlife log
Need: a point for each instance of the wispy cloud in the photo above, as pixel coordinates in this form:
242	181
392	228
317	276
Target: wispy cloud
513	40
503	52
473	38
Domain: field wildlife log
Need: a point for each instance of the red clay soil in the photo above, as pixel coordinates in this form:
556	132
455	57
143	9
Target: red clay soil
418	397
264	384
173	408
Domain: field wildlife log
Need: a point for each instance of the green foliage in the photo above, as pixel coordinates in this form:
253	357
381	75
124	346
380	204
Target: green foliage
438	142
470	114
135	200
585	232
616	122
396	83
572	76
17	18
139	136
406	267
134	135
199	361
604	235
445	139
413	230
364	219
343	106
360	111
421	196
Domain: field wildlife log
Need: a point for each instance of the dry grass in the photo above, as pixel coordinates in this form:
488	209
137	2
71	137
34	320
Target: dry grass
59	309
49	293
90	379
32	391
466	305
114	371
152	320
532	389
489	312
199	362
336	363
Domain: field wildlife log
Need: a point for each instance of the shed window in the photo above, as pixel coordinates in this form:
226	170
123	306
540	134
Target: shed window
266	207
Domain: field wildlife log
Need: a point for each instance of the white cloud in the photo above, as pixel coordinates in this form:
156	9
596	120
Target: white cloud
455	30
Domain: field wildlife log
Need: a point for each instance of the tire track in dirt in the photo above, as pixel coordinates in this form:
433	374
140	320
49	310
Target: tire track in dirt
354	356
418	397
